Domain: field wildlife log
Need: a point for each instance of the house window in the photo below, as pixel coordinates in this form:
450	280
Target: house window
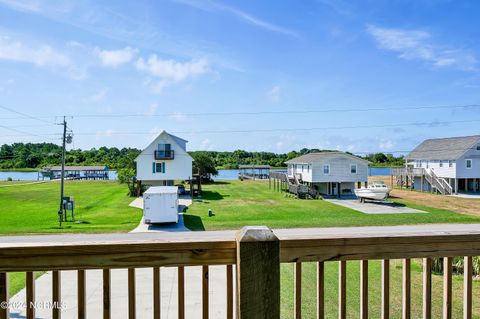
158	167
326	169
441	164
478	147
353	168
164	147
427	164
468	163
450	163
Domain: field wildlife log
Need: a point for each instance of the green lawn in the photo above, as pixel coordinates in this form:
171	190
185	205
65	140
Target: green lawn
374	289
101	205
236	204
32	209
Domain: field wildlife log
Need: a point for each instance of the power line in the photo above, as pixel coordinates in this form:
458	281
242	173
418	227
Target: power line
434	123
198	114
24	114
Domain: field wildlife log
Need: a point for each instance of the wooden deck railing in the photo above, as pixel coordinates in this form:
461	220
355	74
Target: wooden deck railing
255	255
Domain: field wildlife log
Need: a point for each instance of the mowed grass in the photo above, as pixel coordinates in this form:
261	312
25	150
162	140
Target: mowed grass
32	209
309	291
236	204
102	206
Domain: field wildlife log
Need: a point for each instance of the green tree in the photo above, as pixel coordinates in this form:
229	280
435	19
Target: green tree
204	165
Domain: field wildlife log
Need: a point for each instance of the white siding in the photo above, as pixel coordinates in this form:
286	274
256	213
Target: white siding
340	170
463	171
305	170
444	168
180	168
340	165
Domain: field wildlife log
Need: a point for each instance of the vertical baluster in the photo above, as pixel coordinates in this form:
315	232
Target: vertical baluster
427	288
56	294
106	294
81	294
447	287
156	293
229	292
364	289
4	311
385	289
30	294
406	289
320	290
342	289
205	292
132	303
467	288
298	291
181	292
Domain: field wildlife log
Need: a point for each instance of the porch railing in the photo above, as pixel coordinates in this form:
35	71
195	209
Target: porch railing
164	155
253	255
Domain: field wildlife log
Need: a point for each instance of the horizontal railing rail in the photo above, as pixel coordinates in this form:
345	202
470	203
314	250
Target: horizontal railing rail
163	155
252	255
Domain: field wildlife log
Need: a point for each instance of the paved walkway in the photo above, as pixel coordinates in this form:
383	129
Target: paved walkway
119	288
467	195
374	207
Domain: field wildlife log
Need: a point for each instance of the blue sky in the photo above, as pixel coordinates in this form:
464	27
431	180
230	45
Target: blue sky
126	70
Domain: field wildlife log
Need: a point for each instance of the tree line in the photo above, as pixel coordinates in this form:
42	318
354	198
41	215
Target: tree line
36	155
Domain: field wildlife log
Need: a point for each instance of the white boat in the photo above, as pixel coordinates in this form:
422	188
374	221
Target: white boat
375	191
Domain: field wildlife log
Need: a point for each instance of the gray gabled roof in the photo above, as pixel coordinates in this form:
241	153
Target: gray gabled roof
450	148
319	156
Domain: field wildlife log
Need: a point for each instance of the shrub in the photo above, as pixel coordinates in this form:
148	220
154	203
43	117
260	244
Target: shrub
9	179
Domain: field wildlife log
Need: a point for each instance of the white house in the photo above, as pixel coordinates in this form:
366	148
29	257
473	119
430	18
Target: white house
164	161
453	161
332	173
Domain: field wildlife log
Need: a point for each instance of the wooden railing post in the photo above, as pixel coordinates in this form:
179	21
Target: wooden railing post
4	309
258	273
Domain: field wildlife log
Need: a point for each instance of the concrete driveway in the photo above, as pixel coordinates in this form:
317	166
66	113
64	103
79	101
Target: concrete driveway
371	207
183	202
144	286
119	295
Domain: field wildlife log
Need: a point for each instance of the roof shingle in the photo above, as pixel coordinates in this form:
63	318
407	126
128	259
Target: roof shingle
450	148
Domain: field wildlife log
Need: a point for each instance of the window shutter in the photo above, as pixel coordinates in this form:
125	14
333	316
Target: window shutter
153	167
163	167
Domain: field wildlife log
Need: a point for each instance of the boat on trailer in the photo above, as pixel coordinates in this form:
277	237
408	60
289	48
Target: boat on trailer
376	191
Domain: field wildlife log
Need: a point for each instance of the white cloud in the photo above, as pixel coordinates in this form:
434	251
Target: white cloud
386	145
170	71
99	96
114	58
178	117
206	145
152	109
242	15
274	94
43	55
418	45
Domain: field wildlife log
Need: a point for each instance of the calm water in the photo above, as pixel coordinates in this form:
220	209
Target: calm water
232	174
223	174
31	176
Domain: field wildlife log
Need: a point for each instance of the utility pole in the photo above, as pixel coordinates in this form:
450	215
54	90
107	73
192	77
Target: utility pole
61	210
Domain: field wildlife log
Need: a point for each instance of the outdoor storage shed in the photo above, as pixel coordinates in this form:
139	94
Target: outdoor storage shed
160	204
